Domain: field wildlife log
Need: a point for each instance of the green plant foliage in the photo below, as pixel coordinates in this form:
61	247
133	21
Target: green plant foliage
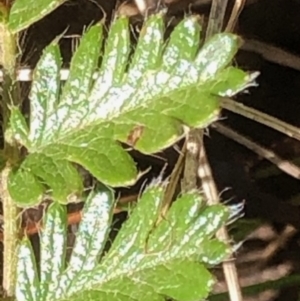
145	262
26	12
148	101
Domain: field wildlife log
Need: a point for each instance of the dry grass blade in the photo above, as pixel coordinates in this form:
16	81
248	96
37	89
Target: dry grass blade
237	9
197	165
284	165
172	185
193	148
211	193
260	117
216	17
273	54
277	244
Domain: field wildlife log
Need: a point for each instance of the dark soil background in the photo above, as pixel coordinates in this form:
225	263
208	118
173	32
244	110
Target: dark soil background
272	250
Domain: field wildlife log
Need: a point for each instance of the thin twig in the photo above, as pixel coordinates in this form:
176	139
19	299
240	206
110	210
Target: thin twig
173	182
141	5
272	54
197	164
193	148
260	117
284	165
276	245
211	193
237	9
216	17
9	96
10	238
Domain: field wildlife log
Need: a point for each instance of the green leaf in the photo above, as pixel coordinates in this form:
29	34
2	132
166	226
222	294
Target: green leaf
194	276
212	58
24	188
148	51
183	44
24	13
53	240
76	89
214	251
145	262
115	57
59	175
148	100
19	127
231	81
44	92
62	177
92	235
27	284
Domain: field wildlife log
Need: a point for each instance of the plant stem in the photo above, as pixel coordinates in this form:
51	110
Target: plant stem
10	97
284	165
216	17
194	144
211	193
260	117
196	163
237	9
11	233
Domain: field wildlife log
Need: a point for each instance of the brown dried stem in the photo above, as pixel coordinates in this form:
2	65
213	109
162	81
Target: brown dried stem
197	165
284	165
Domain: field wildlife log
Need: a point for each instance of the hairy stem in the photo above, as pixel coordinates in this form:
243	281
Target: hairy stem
11	239
10	93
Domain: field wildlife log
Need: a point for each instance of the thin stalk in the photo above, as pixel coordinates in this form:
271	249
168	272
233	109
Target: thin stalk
215	25
10	237
10	93
216	17
263	118
211	193
285	165
237	9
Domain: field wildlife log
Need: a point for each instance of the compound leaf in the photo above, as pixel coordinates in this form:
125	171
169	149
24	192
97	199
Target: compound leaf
147	100
147	261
